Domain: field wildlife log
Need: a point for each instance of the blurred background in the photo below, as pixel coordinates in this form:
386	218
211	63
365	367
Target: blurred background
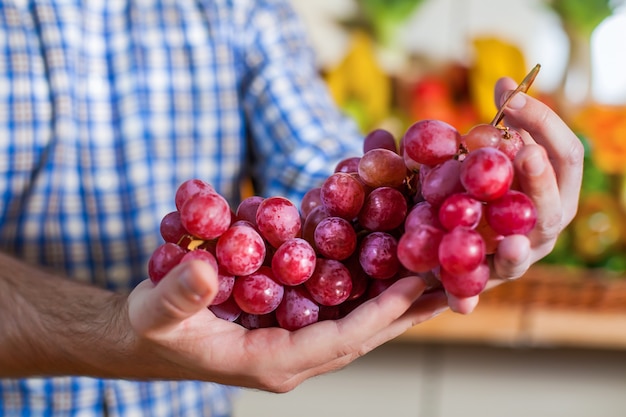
554	343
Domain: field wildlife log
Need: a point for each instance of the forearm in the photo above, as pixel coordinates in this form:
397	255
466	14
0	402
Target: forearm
53	326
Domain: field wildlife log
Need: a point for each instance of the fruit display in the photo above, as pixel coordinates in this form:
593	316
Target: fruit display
433	203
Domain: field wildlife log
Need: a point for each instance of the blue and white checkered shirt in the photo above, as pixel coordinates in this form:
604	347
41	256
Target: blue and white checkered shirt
105	107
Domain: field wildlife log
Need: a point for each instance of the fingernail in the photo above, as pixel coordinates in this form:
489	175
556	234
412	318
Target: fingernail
517	102
192	284
534	165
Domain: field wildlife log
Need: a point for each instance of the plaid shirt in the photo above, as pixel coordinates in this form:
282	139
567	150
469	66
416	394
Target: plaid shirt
105	107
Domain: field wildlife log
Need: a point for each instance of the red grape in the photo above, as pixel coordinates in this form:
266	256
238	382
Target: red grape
163	259
461	250
310	200
342	195
460	210
294	261
384	209
335	238
171	228
481	136
513	213
278	220
240	250
205	215
378	255
442	181
486	174
246	210
466	284
190	188
382	168
418	248
296	309
259	292
431	142
379	138
330	283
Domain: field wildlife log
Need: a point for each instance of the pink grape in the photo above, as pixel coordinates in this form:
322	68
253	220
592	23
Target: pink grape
360	280
442	181
348	165
227	310
422	213
330	283
382	168
511	143
431	142
297	309
259	292
378	255
312	220
466	284
481	136
461	250
240	250
491	237
163	259
201	255
460	210
379	138
190	188
171	228
278	220
310	200
384	209
246	210
294	261
513	213
335	238
418	248
486	174
205	215
257	321
226	282
342	195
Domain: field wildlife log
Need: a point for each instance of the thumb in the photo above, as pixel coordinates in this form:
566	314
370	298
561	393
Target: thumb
186	290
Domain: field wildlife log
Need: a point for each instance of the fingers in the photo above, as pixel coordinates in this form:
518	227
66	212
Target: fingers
426	307
378	317
462	305
536	179
513	257
186	290
564	149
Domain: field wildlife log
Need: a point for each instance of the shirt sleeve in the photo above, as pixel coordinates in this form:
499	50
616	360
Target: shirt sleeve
298	133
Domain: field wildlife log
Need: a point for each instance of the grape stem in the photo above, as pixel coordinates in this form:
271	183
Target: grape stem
523	87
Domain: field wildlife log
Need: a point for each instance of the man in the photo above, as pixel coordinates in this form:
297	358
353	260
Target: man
106	108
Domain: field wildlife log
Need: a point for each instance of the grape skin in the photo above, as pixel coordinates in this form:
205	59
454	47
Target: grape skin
278	220
435	207
486	174
241	250
294	261
431	142
342	195
259	292
335	238
513	213
461	250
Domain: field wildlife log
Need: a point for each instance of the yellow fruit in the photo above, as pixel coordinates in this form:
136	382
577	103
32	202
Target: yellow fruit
597	228
359	77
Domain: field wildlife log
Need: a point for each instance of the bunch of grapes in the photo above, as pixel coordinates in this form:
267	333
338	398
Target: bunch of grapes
436	204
